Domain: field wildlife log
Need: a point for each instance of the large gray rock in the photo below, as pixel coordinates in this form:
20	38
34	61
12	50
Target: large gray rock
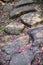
31	18
14	28
37	35
16	45
23	2
21	10
23	58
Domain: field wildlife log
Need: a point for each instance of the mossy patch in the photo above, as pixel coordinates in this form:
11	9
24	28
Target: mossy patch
1	29
37	1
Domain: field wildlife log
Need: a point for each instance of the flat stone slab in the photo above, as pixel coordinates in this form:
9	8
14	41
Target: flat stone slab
31	18
37	35
23	58
23	2
20	11
16	45
14	28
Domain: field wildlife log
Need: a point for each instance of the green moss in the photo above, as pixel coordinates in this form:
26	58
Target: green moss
37	1
1	29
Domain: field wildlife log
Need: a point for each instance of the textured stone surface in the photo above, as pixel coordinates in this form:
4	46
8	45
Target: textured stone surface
35	49
37	42
23	2
37	34
38	57
4	59
7	7
31	18
21	10
14	28
23	58
19	49
16	45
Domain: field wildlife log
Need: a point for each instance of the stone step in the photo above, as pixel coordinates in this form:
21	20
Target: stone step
37	35
16	45
20	11
23	2
31	19
14	28
23	58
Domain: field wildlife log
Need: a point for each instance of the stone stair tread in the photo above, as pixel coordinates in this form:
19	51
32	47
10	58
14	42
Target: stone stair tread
37	34
21	10
23	2
31	18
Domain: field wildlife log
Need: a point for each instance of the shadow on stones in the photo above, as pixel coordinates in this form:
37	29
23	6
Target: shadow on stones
7	2
1	63
21	13
26	24
24	5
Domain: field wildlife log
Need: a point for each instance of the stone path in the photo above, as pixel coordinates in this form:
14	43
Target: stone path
20	11
21	33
